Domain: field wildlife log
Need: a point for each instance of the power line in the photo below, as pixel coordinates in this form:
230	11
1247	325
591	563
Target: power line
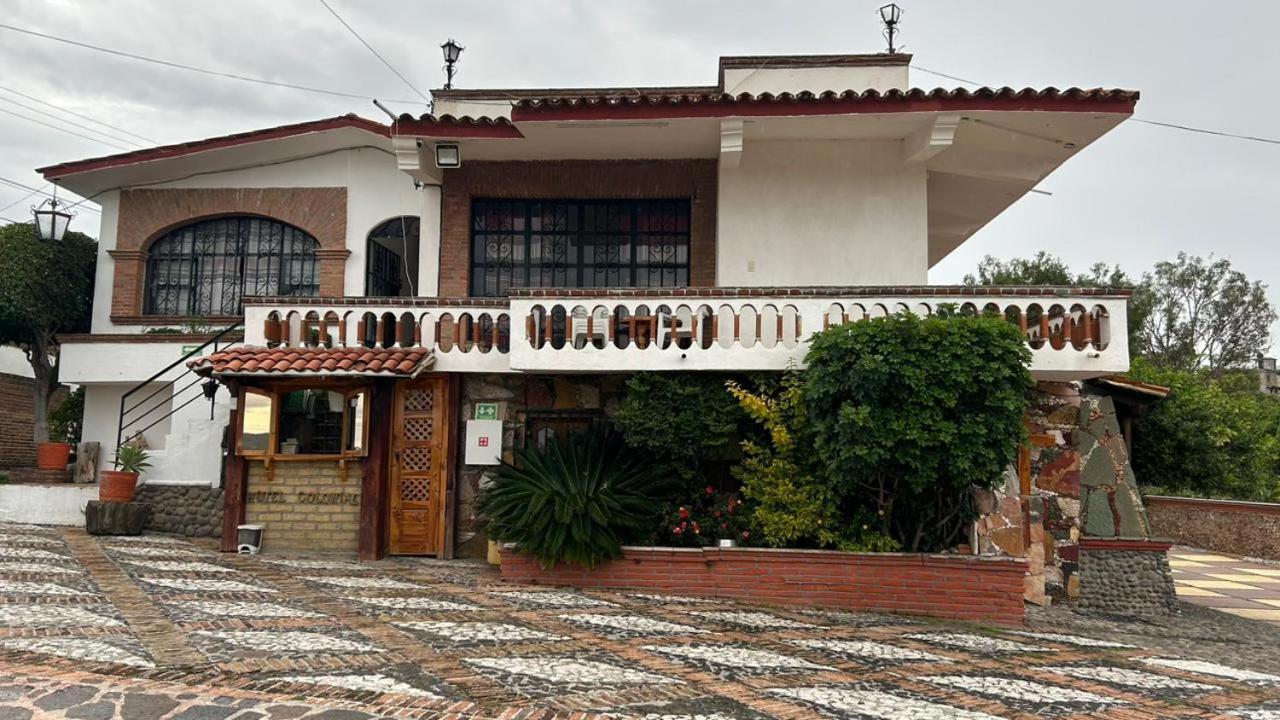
73	124
376	54
1174	126
191	68
31	194
62	129
22	186
76	114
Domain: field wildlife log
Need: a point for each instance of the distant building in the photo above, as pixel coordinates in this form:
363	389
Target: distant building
1268	378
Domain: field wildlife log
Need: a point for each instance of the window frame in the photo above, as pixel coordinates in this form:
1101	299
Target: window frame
197	258
681	212
277	392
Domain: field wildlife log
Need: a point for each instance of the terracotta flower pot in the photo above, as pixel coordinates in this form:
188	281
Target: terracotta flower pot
116	486
53	455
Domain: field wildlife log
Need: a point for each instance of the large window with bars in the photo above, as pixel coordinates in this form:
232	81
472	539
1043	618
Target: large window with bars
206	267
578	243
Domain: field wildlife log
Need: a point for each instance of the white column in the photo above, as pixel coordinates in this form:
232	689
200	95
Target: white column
429	243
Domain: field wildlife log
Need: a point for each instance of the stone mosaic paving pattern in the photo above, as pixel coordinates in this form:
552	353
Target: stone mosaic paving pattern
165	628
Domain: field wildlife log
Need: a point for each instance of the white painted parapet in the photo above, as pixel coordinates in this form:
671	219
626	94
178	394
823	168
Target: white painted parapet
1073	333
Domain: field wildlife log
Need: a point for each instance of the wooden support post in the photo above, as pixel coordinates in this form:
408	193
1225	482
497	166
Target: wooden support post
236	480
372	543
453	425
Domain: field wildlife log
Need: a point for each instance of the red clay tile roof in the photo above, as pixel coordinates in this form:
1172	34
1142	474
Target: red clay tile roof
696	102
286	362
195	146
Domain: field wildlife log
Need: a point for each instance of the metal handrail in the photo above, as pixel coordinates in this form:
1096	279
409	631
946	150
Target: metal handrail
120	428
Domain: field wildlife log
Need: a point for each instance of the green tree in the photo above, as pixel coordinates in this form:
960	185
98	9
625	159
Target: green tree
46	288
1203	314
911	414
1215	435
1046	269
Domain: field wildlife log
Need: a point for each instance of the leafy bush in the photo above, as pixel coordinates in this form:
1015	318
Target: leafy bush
578	501
714	516
67	420
685	422
1213	436
908	415
794	503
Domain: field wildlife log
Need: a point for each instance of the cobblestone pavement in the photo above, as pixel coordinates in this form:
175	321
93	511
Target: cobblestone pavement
1229	584
157	627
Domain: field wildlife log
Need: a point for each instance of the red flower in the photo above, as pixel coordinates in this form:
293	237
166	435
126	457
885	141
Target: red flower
711	490
724	525
684	525
684	513
675	531
696	529
715	514
745	534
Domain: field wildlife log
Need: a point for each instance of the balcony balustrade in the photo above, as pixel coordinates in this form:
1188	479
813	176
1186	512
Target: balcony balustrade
1073	333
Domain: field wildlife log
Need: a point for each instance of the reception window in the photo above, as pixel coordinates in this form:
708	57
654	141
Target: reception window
305	422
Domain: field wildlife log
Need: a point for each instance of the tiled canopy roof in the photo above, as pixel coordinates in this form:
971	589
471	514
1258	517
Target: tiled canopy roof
294	362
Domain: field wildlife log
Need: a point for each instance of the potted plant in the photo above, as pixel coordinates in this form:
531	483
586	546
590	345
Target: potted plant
64	433
118	485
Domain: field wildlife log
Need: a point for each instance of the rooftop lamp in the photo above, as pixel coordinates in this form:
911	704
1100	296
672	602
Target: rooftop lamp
890	15
452	50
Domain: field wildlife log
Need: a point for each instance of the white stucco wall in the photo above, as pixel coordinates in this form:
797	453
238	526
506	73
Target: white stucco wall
815	79
822	212
61	504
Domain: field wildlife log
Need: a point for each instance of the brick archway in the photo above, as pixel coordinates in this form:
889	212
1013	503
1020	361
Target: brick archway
146	215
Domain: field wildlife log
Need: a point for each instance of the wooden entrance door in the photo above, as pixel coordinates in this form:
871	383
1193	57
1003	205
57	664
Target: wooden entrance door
419	466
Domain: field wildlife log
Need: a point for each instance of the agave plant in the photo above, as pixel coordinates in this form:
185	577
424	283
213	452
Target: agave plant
576	501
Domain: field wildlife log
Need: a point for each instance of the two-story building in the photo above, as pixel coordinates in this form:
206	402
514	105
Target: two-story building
513	255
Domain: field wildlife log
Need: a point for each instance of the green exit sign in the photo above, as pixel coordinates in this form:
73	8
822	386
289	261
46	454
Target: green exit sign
486	411
188	349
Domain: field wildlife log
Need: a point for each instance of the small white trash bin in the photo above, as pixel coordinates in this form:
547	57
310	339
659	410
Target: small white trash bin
249	539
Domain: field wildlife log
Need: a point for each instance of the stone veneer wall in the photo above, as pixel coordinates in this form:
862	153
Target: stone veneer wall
191	510
1081	485
1127	581
517	396
1236	528
306	506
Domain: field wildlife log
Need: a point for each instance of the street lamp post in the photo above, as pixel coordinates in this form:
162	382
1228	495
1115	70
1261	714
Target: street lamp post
452	50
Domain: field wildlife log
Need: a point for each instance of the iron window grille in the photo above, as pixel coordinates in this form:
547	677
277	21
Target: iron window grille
578	243
205	268
542	425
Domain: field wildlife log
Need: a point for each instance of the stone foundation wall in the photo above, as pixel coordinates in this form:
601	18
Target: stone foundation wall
518	396
191	510
1235	528
1126	580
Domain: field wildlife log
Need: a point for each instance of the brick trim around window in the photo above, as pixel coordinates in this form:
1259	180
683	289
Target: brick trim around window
145	215
577	180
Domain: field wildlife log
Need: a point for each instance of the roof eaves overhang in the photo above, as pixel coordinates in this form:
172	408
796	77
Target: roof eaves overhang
721	105
165	152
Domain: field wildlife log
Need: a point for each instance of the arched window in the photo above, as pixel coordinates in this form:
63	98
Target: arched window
206	267
391	259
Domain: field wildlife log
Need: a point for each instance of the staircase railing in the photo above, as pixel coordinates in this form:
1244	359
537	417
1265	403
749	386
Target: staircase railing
130	427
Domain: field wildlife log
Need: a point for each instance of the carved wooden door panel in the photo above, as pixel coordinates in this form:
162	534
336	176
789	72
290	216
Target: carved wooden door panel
419	467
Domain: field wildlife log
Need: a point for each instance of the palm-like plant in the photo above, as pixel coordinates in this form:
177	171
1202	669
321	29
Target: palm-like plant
577	501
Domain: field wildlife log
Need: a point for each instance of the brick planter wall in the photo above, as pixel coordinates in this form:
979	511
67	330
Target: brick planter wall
949	586
1226	526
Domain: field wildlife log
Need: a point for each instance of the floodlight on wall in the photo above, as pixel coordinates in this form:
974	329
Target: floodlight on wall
51	223
448	156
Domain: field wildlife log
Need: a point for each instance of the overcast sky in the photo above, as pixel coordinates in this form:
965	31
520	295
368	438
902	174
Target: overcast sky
1139	195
